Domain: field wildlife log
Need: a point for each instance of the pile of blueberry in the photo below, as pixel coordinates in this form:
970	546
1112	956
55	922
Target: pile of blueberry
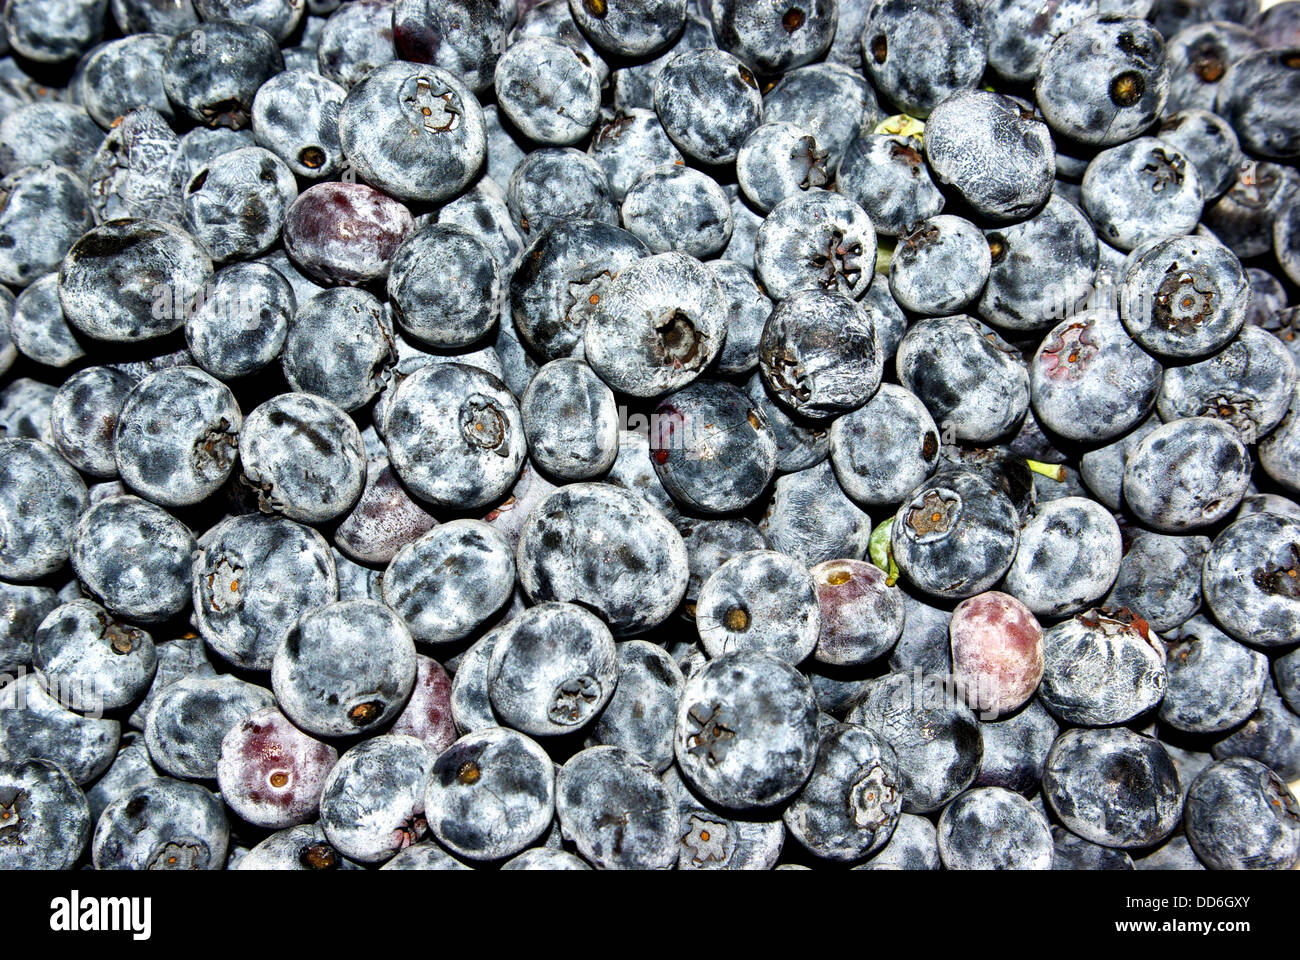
711	434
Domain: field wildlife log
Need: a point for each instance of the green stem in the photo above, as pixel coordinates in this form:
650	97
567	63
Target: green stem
881	550
1052	471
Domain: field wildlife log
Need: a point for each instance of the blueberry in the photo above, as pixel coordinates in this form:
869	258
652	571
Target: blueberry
242	321
271	773
177	659
25	410
550	91
471	708
800	443
44	818
1022	31
91	660
1186	474
1089	382
1174	854
820	353
773	37
356	40
1271	736
1075	853
810	519
1104	80
997	652
490	794
1143	190
1199	55
1248	583
816	239
219	96
746	730
708	102
1102	667
238	204
760	601
884	449
971	380
509	515
1278	454
1209	143
558	183
1040	269
1160	578
292	430
164	824
339	346
933	733
542	858
888	177
344	668
631	28
48	132
345	232
50	31
673	207
1016	747
34	724
571	421
483	211
117	281
445	286
552	669
955	535
188	720
384	520
143	16
660	322
1241	816
712	839
1214	684
1243	217
748	308
914	845
777	160
279	18
1257	96
177	435
373	802
991	828
1079	779
449	581
465	37
1220	387
1068	559
449	143
428	714
919	53
712	450
862	615
640	715
455	436
616	811
45	211
744	230
43	499
993	152
939	266
424	856
22	608
252	579
1102	468
303	847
